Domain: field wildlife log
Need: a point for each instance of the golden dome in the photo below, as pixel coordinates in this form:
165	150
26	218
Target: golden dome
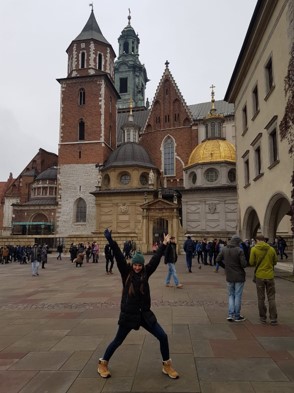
213	150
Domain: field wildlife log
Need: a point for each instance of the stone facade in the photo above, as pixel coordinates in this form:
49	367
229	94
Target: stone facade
257	90
76	181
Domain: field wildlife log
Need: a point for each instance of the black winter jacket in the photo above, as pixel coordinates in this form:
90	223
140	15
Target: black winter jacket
170	255
136	308
234	260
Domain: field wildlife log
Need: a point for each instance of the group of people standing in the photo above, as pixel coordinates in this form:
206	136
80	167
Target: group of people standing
263	257
135	311
234	256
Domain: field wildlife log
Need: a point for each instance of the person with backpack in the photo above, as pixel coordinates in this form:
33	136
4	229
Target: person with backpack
264	258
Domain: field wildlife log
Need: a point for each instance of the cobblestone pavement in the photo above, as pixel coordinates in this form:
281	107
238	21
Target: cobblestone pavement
53	329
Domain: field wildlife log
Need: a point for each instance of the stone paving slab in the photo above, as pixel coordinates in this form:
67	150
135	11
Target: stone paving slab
53	329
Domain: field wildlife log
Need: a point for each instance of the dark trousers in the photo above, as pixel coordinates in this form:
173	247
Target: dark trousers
109	260
156	330
189	256
264	286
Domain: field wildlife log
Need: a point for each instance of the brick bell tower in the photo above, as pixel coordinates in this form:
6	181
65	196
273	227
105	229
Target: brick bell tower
87	127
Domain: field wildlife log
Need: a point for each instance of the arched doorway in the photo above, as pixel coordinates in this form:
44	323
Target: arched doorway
278	207
251	224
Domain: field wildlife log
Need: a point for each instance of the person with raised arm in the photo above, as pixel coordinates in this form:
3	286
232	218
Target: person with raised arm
135	309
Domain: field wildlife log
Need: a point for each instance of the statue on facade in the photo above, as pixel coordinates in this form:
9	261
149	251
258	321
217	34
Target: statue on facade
151	177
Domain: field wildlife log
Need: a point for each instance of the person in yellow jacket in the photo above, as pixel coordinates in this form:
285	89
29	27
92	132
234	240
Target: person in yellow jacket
264	258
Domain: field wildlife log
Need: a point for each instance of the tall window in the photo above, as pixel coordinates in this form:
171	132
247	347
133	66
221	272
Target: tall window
83	60
123	85
257	161
255	100
273	140
81	210
244	117
168	157
82	97
273	146
213	129
100	61
269	75
246	171
81	130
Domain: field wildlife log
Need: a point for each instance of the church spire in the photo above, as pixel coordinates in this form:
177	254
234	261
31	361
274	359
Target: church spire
91	30
130	74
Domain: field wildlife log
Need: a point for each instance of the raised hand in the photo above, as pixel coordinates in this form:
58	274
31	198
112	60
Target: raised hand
107	234
166	238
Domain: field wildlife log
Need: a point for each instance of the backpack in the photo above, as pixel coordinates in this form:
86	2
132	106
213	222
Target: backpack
190	246
199	247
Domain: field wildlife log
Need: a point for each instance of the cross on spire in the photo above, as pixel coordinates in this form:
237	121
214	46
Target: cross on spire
92	6
129	16
167	63
212	99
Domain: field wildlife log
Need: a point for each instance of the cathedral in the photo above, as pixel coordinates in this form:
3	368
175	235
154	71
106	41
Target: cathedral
139	169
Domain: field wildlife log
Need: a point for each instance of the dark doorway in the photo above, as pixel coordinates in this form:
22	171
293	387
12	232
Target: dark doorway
160	227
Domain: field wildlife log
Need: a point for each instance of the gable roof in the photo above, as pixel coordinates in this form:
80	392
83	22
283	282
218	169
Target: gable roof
167	75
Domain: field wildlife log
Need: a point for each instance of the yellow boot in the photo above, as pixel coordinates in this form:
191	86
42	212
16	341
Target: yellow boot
103	369
168	369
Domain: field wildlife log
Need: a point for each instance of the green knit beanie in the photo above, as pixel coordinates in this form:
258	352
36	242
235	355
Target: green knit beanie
138	259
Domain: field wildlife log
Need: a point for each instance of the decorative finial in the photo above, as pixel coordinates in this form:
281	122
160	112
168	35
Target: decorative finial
212	98
167	63
129	17
92	6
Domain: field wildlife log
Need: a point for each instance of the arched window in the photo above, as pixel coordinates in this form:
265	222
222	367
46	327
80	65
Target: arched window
126	47
100	59
81	210
168	157
83	60
82	97
81	130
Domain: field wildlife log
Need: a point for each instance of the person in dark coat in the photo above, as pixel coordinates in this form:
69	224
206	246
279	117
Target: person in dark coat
233	258
170	258
108	258
189	249
135	308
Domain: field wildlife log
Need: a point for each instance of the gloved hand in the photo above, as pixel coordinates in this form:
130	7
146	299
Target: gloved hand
107	234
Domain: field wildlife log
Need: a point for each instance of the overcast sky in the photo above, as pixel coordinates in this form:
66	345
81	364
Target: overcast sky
201	39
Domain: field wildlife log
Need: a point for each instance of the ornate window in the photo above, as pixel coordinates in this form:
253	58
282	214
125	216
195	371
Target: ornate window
193	178
81	210
144	179
232	175
168	157
211	175
125	178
